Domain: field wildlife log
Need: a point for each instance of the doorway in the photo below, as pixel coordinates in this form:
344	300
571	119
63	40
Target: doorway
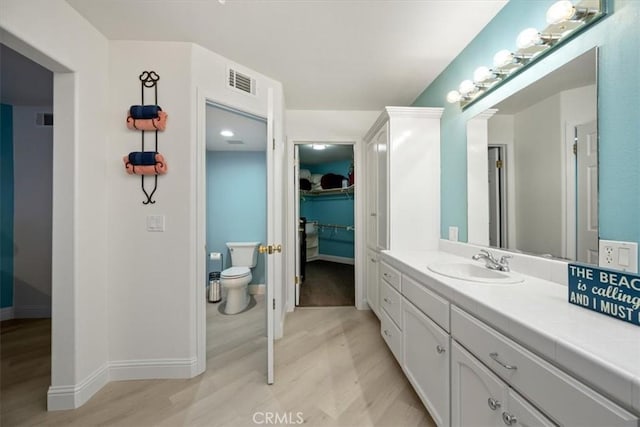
236	211
26	135
497	196
325	215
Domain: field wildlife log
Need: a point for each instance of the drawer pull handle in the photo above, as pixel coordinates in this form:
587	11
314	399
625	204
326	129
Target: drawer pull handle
386	332
440	349
373	260
494	356
509	419
385	275
387	301
493	403
373	214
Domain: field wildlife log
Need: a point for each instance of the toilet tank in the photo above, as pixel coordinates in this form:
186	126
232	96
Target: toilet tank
243	254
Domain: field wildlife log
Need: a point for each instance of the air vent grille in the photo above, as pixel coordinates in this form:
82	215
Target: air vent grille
242	82
44	119
235	142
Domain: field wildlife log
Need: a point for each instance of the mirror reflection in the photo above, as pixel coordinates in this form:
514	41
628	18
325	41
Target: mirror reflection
542	159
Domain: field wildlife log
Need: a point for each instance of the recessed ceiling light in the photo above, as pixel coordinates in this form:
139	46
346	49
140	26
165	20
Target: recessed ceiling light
318	146
226	133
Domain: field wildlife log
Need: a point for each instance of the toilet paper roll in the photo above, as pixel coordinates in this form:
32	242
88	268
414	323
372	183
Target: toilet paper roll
215	256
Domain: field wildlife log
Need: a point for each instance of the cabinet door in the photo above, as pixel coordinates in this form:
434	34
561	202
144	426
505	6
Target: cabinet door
426	361
372	194
372	281
381	142
519	412
477	395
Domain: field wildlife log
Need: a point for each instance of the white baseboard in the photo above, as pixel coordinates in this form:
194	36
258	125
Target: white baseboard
73	396
122	370
31	311
332	258
258	289
6	313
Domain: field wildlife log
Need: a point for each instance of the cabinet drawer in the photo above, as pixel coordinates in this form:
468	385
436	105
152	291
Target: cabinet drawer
392	335
434	306
560	396
390	274
390	301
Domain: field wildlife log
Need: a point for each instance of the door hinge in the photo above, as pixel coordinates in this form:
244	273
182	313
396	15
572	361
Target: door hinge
274	303
499	164
274	144
297	280
575	148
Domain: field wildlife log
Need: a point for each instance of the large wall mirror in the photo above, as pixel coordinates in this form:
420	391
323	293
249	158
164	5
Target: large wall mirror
533	167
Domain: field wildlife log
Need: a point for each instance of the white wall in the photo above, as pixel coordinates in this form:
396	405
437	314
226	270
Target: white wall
33	169
539	172
58	38
150	307
329	126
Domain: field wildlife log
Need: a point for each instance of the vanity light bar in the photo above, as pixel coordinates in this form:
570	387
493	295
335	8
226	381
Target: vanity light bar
563	19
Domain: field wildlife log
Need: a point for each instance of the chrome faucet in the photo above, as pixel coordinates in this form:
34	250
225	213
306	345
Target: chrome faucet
491	262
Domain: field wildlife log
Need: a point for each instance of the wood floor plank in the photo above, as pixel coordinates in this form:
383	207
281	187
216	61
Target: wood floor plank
332	366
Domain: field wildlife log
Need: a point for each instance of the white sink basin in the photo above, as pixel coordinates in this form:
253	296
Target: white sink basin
475	273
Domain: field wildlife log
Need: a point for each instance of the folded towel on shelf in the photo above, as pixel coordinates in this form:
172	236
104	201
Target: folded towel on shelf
156	123
305	174
305	184
331	180
144	111
142	158
158	168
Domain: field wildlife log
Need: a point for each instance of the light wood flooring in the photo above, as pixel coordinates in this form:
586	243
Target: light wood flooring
332	366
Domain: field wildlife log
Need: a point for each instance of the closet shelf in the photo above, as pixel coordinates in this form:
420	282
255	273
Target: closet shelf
328	192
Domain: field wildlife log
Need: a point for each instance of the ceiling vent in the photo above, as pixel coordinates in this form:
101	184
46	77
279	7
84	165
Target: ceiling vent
242	82
44	119
235	142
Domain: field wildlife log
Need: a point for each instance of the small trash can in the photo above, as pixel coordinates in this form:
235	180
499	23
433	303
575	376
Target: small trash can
215	291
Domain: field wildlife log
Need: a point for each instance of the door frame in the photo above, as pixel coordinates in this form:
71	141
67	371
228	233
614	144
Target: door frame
205	97
358	217
502	193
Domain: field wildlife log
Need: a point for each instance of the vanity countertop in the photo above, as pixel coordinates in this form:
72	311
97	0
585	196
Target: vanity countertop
604	352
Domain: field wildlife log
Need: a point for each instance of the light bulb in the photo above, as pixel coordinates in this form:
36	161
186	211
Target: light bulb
482	74
502	58
466	87
318	146
527	38
560	11
226	133
453	97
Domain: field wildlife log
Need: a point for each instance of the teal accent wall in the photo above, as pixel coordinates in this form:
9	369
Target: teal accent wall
236	203
6	205
331	209
618	39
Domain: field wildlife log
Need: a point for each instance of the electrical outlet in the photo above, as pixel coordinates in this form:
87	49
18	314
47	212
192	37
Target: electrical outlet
618	255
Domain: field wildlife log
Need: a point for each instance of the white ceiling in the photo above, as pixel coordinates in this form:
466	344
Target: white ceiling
579	72
250	131
329	54
331	153
22	81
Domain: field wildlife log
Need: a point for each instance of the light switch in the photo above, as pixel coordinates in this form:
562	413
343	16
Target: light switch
155	222
623	257
453	234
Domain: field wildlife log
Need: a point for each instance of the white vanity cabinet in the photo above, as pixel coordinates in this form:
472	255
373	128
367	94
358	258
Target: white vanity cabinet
372	284
425	352
559	396
480	398
403	179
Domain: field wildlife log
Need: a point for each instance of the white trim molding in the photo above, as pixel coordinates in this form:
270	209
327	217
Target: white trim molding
73	396
333	258
6	313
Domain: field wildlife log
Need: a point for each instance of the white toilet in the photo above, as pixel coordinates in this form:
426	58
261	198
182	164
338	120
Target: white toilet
235	280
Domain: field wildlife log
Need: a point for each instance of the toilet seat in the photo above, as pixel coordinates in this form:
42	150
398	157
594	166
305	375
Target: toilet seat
235	272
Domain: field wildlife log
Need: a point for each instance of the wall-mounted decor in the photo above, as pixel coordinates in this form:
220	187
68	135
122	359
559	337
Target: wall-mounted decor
147	118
